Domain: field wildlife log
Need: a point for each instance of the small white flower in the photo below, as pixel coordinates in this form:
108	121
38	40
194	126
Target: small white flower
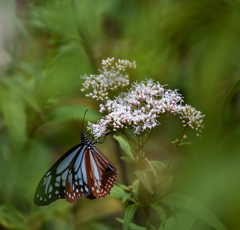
140	107
111	77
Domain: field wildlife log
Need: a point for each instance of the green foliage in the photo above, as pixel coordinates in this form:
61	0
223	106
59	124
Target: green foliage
161	212
127	149
195	207
10	217
194	46
179	222
121	192
129	213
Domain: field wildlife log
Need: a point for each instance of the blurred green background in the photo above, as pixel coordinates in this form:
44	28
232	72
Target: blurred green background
45	46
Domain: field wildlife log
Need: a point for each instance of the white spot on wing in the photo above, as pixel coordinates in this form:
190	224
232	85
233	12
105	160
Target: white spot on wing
58	179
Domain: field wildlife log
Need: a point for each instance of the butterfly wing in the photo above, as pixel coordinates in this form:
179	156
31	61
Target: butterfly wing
53	184
101	173
77	181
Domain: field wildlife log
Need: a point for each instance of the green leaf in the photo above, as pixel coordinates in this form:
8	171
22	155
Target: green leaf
161	212
128	216
158	165
118	192
164	183
145	178
11	218
190	204
126	197
181	221
125	146
14	115
127	159
132	225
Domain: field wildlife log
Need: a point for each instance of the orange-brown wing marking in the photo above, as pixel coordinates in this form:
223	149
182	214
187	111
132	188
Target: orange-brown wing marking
101	173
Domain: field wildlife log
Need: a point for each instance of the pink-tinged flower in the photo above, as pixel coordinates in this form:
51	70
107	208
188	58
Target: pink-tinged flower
137	109
140	107
111	77
191	117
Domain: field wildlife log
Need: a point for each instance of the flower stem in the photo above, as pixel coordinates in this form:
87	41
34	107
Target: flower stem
129	137
175	147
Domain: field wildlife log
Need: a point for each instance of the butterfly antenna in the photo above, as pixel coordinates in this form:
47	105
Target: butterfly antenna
76	126
84	120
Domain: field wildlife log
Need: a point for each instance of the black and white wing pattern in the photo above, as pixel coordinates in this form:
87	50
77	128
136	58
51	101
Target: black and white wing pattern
53	184
81	171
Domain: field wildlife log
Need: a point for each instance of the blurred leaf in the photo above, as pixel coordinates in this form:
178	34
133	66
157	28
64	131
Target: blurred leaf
164	184
65	113
118	192
56	224
128	216
98	226
183	221
227	100
132	225
14	115
161	212
125	146
145	176
23	90
127	159
10	218
188	203
158	165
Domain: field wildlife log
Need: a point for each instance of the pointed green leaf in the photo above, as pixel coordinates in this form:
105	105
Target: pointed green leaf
11	218
161	212
181	221
127	159
190	204
164	183
126	197
125	146
132	225
158	166
145	178
118	192
128	216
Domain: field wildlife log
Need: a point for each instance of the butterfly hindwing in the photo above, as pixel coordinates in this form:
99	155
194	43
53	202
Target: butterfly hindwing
53	184
81	171
101	173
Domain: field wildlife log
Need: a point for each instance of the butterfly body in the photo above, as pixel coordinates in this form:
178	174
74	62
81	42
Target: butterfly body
83	171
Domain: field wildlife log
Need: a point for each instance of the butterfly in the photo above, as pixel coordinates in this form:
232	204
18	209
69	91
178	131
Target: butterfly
83	171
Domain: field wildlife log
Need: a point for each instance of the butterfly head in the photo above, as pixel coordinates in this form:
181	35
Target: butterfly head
86	141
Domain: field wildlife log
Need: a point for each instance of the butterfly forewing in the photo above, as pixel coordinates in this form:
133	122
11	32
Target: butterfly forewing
101	173
53	184
81	171
77	182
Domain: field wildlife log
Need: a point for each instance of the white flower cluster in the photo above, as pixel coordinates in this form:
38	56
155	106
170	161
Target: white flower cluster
112	77
191	117
137	109
140	107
